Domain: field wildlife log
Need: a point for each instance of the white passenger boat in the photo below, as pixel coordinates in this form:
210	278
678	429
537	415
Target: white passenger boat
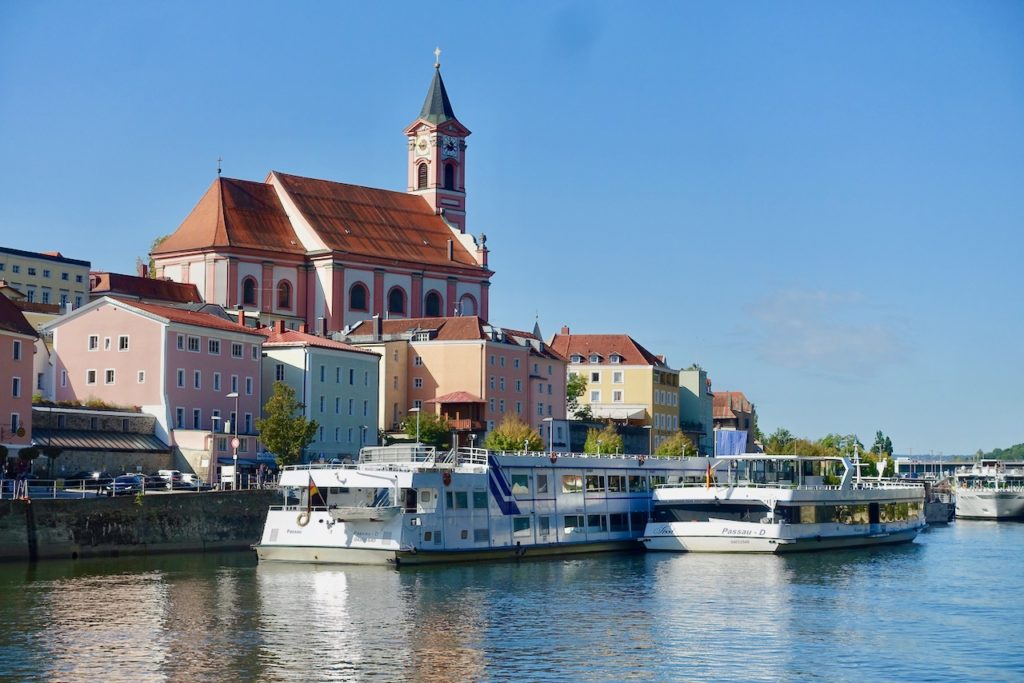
413	505
990	489
775	504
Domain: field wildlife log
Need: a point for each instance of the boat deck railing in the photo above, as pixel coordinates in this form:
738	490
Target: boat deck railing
854	486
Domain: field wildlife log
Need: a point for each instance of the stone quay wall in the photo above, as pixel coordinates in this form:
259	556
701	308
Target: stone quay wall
162	523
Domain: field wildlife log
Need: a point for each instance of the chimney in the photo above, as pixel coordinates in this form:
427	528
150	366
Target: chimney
376	328
143	270
321	327
451	250
241	317
565	329
279	327
302	327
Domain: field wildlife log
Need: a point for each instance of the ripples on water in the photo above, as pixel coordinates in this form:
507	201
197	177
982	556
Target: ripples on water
947	607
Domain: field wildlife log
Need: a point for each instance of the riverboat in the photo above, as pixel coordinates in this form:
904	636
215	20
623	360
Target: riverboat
411	504
990	489
759	503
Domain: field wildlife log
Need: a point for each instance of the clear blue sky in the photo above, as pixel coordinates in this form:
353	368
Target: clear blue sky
820	203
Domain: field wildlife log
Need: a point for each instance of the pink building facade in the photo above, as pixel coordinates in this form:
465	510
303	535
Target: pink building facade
471	372
177	365
17	339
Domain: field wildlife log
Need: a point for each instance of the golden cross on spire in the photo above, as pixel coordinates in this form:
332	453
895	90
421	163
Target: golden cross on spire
437	58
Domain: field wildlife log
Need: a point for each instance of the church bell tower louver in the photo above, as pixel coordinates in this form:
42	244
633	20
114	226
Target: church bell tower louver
437	153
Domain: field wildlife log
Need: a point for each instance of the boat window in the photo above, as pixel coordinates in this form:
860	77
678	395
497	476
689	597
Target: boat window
520	484
657	480
638	521
573	523
595	483
638	483
464	534
616	483
481	536
542	483
425	496
480	500
457	500
521	526
597	523
427	535
702	512
572	483
543	526
618	521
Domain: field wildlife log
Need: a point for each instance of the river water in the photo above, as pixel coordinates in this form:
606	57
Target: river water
948	607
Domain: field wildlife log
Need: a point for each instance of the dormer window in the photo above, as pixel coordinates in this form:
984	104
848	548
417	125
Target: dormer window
595	358
421	337
575	358
615	358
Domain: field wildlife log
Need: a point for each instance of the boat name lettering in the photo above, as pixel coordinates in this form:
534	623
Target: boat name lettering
741	532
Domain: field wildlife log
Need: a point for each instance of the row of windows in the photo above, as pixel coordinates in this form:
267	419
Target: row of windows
197	381
614	359
16	268
353	434
194	344
214	423
422	175
93	343
65	297
351	406
339	373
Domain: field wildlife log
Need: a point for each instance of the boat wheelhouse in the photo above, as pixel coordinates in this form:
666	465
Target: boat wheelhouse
990	489
412	505
775	504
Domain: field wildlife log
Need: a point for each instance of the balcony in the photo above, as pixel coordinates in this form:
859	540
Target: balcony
466	425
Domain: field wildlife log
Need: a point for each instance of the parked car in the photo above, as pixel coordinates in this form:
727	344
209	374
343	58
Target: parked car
172	477
97	480
154	482
125	484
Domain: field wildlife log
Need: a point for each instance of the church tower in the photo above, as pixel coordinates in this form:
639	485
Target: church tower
437	153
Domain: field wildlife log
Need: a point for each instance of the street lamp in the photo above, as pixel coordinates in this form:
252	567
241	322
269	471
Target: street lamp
234	443
551	433
472	441
650	437
526	446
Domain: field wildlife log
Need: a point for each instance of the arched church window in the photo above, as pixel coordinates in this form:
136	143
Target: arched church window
432	305
449	176
357	297
284	294
396	300
467	305
421	177
249	291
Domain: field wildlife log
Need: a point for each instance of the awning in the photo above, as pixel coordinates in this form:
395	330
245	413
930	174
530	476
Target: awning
625	412
457	397
246	462
85	440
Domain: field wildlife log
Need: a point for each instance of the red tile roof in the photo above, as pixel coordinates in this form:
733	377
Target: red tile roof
371	222
726	404
187	317
452	328
117	284
238	213
292	338
604	345
457	397
12	320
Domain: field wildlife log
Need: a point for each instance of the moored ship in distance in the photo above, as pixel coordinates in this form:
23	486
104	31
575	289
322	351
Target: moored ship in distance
990	489
410	504
759	503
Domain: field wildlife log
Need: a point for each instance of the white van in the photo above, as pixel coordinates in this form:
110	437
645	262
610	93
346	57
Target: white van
172	477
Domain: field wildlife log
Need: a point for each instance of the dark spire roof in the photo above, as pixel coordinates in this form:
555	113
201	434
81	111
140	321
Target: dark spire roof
437	108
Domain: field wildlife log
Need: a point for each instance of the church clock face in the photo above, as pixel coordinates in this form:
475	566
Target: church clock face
422	147
449	147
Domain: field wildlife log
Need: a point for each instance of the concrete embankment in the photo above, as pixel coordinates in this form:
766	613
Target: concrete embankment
161	523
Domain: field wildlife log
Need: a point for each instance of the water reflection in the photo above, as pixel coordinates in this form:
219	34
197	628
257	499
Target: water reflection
943	608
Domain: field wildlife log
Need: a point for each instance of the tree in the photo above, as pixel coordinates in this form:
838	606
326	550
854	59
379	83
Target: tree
434	430
609	438
285	431
842	444
574	388
51	453
883	444
678	444
152	264
511	434
26	456
778	441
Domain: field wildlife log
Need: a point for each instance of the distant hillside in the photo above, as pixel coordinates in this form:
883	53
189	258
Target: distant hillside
1011	453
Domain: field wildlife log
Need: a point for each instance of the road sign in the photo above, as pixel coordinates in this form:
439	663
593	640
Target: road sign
235	442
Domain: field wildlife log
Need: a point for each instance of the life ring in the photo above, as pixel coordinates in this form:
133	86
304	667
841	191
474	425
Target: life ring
554	458
642	459
303	519
447	478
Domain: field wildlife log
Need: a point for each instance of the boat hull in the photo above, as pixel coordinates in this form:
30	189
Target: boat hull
369	556
989	504
732	537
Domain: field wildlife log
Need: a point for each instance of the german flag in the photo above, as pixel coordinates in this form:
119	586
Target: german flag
313	491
